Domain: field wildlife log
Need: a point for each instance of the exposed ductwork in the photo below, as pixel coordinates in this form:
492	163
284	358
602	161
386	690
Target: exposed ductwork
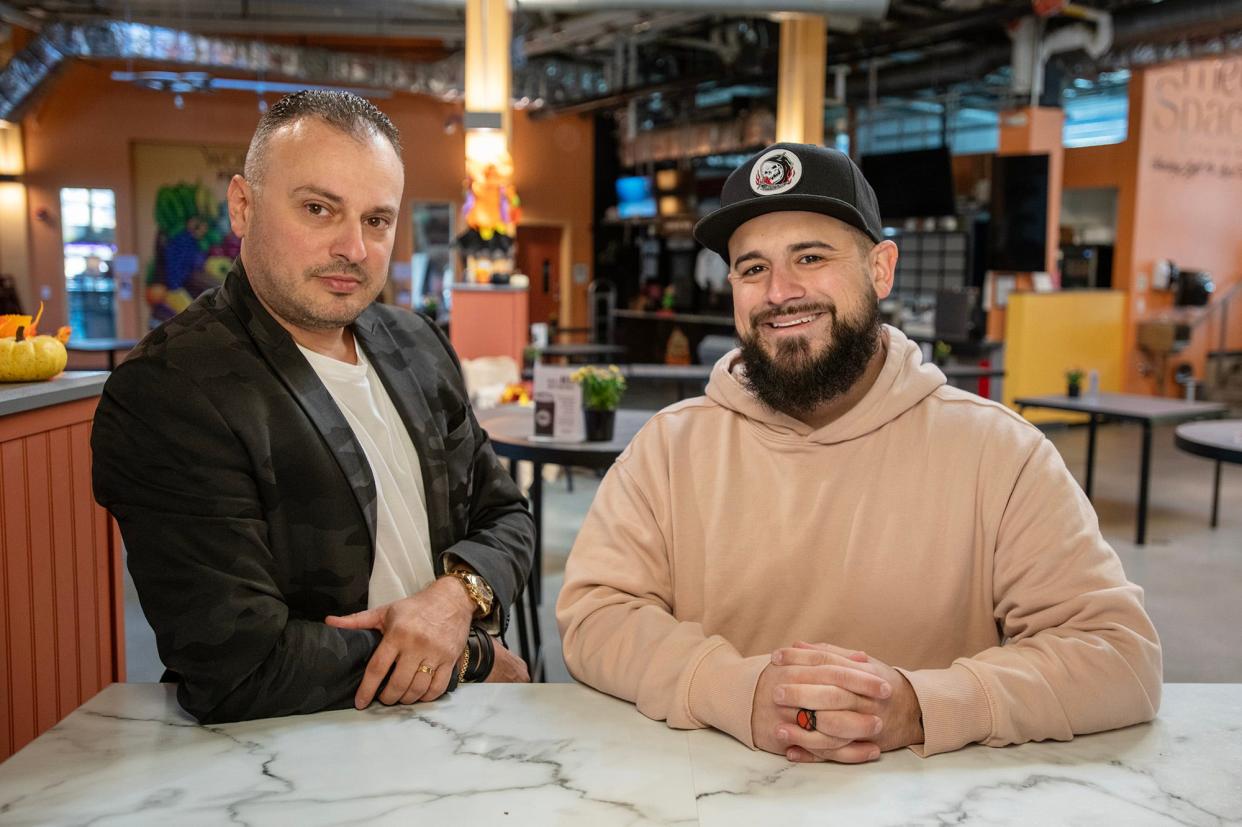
1140	35
552	80
1135	33
1031	51
59	42
17	17
869	9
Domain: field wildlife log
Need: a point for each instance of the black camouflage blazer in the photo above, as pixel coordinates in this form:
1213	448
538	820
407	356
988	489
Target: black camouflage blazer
248	508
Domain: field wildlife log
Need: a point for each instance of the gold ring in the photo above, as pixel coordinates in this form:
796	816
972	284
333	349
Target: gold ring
430	670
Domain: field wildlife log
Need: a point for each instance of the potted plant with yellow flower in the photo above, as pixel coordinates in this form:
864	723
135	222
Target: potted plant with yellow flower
602	389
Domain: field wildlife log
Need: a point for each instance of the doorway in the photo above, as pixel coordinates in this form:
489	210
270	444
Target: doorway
539	257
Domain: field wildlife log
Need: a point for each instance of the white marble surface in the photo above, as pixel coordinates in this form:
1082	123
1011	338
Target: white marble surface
1183	768
563	754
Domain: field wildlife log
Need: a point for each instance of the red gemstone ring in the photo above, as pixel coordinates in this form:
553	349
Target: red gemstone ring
806	719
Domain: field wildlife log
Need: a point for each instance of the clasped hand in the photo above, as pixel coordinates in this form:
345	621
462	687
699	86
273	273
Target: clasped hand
861	706
423	639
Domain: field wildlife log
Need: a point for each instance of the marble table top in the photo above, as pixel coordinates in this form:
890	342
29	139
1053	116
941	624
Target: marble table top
564	754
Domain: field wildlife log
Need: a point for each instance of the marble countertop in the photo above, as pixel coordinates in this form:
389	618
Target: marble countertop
564	754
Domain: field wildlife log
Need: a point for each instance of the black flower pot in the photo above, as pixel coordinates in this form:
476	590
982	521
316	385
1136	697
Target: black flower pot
1073	391
600	425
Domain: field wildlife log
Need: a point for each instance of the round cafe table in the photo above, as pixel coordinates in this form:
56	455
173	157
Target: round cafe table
511	431
1220	440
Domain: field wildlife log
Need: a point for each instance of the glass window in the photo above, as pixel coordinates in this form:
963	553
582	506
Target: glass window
88	234
1097	111
432	263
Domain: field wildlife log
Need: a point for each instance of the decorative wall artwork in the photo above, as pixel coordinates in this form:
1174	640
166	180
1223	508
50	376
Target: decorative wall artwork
182	219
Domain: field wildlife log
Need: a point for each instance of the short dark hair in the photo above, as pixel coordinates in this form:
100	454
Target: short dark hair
345	111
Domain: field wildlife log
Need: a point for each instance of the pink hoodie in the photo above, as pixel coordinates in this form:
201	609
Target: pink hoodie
937	531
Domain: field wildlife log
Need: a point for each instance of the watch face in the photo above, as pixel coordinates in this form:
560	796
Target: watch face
480	592
481	584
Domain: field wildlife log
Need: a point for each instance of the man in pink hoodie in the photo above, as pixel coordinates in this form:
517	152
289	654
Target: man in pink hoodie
834	553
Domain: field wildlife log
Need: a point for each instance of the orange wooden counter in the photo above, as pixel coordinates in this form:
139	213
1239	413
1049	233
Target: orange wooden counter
489	320
61	591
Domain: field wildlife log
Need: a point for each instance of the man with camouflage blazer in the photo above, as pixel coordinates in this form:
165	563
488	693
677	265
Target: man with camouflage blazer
312	514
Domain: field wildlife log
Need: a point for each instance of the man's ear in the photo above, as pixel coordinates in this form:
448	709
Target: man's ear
883	264
241	205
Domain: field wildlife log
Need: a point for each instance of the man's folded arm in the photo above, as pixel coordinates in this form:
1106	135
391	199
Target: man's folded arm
619	633
1080	653
180	484
500	541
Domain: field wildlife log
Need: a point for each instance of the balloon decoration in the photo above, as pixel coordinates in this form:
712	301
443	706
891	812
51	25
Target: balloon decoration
491	212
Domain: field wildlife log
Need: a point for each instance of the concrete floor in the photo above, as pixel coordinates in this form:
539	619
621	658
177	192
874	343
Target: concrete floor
1192	575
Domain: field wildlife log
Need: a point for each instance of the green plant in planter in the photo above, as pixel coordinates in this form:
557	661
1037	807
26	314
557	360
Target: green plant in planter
940	352
1073	381
602	388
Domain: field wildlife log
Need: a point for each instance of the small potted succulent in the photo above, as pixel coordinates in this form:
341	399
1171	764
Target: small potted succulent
1073	383
602	389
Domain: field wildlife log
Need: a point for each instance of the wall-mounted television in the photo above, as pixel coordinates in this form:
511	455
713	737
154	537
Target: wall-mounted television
1018	237
916	184
635	197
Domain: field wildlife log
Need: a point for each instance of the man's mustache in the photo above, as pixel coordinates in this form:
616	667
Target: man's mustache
348	268
763	316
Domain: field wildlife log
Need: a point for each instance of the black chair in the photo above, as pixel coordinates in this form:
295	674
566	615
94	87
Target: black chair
530	638
526	610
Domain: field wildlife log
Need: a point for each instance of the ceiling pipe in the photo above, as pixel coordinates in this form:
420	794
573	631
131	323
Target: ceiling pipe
16	17
1025	62
869	9
1094	40
25	74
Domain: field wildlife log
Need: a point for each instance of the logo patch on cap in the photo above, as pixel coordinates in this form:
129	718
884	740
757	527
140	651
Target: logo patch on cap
775	172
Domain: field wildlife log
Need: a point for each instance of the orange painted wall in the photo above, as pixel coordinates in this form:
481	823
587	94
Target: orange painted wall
554	171
1185	162
79	133
1094	167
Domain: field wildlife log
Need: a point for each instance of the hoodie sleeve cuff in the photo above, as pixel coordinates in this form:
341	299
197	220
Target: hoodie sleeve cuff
722	691
955	708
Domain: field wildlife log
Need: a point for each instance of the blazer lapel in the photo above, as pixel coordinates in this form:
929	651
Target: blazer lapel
290	366
400	372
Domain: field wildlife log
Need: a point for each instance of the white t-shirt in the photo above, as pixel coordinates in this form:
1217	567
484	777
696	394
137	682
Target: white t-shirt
402	546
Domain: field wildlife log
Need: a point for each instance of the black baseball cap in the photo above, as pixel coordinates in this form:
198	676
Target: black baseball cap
792	177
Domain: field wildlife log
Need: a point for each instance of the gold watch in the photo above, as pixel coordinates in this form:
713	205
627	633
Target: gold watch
477	589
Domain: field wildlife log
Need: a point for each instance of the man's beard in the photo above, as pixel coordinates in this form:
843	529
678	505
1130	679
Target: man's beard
796	381
287	299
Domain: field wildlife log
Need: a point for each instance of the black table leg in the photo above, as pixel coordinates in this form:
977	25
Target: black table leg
1216	496
536	509
1144	480
1091	425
